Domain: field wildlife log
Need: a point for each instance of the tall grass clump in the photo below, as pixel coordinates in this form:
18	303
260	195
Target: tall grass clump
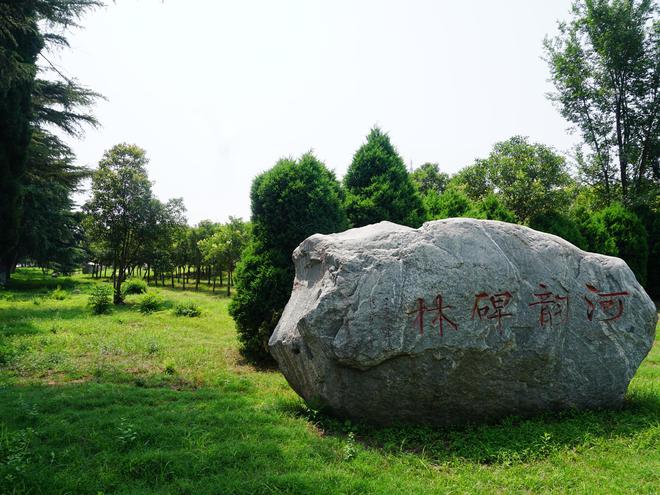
59	294
187	308
134	286
149	304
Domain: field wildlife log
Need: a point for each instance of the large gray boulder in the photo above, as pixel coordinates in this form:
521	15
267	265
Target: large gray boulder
459	320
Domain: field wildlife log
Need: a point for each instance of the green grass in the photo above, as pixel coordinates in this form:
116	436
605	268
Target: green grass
135	403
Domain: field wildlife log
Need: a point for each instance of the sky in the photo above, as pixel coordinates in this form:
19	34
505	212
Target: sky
217	91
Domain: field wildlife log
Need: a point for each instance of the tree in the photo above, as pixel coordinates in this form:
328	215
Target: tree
605	65
378	186
528	178
120	207
429	178
23	36
50	233
163	225
224	248
290	202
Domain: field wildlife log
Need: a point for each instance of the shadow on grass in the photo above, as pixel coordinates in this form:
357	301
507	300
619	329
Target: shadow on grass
94	438
510	441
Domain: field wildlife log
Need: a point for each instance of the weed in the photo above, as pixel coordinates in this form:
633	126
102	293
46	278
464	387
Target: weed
149	304
169	367
14	452
153	348
127	434
350	447
134	286
187	308
59	294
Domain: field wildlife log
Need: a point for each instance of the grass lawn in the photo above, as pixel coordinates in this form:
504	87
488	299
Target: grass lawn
134	403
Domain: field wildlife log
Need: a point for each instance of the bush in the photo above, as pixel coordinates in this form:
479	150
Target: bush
617	231
149	304
134	286
290	202
100	299
560	225
59	294
188	308
264	286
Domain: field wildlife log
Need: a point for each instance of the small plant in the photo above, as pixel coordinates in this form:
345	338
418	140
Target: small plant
169	367
149	303
100	300
59	294
127	434
153	348
350	448
134	286
188	308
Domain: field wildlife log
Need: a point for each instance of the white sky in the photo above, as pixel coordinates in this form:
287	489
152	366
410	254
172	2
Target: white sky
218	91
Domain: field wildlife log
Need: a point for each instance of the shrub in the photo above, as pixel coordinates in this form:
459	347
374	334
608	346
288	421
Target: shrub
491	207
560	225
617	231
100	299
188	308
290	202
59	294
134	286
149	304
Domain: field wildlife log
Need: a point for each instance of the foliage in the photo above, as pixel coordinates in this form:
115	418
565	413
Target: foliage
124	216
225	246
120	206
134	286
429	178
150	303
649	214
188	308
560	225
290	202
605	67
491	207
617	231
452	203
528	178
27	106
100	299
378	186
59	294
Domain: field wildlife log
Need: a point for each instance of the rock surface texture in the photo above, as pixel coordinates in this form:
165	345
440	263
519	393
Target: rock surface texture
459	320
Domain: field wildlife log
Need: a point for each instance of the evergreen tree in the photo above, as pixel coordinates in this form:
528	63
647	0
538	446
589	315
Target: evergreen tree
378	186
290	202
26	104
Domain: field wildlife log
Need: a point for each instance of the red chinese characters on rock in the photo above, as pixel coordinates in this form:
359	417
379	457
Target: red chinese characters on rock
610	303
491	307
553	307
440	317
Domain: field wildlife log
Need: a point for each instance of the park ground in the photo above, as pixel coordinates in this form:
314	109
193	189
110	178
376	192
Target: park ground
134	403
